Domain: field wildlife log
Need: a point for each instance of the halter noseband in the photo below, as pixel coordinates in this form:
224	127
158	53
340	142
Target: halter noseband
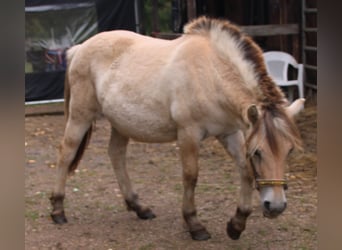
270	182
259	183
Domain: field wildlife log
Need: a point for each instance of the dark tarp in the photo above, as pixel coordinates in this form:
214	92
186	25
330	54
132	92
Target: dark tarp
52	26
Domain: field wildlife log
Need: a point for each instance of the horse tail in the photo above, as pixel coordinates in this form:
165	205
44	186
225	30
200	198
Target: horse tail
80	150
86	138
69	55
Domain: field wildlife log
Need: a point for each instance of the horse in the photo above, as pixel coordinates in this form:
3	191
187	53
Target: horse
209	82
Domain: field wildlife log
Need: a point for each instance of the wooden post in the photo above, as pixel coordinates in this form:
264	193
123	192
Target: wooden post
191	9
155	16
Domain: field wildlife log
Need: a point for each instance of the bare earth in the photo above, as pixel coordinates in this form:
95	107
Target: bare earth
98	218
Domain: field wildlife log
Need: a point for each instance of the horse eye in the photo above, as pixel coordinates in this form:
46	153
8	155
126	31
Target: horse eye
257	154
290	151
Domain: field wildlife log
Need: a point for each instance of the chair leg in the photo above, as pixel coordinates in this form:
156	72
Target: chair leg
301	91
290	94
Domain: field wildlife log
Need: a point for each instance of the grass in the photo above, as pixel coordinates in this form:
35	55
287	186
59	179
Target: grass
262	232
31	201
178	187
148	246
231	188
283	228
303	248
32	215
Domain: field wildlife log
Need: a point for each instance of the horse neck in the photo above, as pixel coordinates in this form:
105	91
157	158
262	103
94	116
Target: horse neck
237	102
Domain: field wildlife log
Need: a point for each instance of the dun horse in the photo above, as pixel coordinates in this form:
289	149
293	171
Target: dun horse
211	81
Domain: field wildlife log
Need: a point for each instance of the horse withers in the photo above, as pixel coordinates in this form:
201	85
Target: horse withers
211	81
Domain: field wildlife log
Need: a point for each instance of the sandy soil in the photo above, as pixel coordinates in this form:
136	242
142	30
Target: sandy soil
98	218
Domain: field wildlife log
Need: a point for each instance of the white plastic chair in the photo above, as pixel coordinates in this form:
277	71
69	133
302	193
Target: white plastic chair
277	64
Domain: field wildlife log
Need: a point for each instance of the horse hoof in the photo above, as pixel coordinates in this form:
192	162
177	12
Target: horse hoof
201	234
59	218
232	232
146	214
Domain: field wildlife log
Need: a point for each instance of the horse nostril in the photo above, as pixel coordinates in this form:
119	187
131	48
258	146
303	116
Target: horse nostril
267	205
285	205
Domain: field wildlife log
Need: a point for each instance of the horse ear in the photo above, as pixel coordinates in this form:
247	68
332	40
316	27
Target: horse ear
295	107
252	114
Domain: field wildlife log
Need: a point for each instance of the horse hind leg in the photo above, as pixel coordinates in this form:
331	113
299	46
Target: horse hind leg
117	153
73	144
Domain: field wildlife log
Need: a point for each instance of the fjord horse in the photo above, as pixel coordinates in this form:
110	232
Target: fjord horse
211	81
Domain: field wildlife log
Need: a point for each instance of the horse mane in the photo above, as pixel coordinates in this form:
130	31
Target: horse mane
246	54
230	39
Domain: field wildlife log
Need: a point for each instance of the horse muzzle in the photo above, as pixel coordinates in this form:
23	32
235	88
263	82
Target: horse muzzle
273	201
272	210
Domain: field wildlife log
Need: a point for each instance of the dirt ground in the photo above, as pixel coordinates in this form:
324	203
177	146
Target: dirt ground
98	218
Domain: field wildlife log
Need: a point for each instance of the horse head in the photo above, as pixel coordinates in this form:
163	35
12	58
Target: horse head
271	138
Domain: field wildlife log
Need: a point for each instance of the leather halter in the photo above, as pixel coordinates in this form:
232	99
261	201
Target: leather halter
270	182
266	182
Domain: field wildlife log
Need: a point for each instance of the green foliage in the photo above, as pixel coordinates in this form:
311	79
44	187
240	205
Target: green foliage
164	16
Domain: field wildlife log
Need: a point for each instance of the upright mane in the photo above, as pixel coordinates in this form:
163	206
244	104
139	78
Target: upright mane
242	51
247	56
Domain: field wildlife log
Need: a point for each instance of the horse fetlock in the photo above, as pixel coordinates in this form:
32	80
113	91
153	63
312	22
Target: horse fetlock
189	216
242	214
57	214
56	201
238	223
59	217
196	229
234	230
144	213
132	202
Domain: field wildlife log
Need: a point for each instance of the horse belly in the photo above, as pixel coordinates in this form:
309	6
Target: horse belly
134	94
141	123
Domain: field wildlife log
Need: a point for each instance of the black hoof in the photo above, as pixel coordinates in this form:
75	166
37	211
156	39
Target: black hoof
59	218
146	214
201	234
232	232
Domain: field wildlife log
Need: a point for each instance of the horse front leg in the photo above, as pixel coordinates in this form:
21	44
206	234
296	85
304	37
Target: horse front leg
189	147
237	224
235	146
117	153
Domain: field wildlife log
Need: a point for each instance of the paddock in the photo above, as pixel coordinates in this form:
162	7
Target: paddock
98	218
